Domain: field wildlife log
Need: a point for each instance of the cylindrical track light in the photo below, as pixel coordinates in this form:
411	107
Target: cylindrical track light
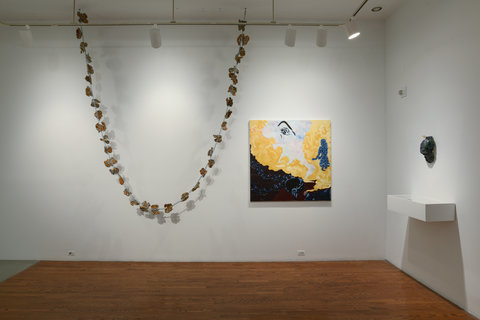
26	36
290	36
155	39
351	28
321	37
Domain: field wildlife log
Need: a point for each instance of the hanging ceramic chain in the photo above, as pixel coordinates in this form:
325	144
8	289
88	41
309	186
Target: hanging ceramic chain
112	164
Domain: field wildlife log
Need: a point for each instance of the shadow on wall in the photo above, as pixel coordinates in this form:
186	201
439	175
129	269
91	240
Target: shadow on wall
114	64
175	216
432	252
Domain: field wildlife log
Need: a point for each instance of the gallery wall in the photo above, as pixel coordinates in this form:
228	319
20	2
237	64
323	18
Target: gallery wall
432	48
163	106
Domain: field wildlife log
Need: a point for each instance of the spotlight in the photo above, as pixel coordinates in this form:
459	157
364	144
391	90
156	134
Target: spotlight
321	37
26	36
352	29
155	39
290	36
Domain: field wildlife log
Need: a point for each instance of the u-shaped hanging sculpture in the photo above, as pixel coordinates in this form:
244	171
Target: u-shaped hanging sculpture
101	127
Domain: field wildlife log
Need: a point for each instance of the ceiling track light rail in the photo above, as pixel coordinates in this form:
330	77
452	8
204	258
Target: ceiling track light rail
190	23
321	38
176	23
360	8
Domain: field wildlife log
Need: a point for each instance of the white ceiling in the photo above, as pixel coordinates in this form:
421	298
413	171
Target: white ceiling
146	11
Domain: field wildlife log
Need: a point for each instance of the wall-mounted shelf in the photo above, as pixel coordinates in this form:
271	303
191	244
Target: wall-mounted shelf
421	208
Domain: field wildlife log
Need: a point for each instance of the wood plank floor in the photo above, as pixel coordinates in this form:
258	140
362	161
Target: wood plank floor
288	290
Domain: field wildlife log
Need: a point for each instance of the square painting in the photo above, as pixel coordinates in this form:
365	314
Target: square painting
290	160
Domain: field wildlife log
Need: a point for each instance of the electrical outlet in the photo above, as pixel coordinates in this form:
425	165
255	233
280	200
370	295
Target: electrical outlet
300	253
71	253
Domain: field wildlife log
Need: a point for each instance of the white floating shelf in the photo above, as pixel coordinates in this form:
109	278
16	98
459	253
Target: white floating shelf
420	208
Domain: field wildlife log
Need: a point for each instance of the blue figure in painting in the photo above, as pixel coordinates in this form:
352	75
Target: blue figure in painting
323	155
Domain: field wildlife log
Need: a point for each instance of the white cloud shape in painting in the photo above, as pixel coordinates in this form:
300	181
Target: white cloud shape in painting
289	136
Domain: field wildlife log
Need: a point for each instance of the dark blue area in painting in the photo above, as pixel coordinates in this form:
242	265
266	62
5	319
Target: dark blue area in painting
323	155
269	185
319	195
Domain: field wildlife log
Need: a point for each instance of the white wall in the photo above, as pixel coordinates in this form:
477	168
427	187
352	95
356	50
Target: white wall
433	48
164	105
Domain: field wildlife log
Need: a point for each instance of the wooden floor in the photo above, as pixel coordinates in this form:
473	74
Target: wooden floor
304	290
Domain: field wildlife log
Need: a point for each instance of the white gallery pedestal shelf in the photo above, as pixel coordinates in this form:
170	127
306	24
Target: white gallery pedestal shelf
421	208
